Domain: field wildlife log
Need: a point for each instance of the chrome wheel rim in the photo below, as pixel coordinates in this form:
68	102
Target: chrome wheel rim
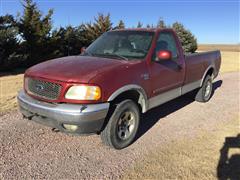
208	89
126	124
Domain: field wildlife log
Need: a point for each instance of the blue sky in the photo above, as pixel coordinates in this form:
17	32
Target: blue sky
211	21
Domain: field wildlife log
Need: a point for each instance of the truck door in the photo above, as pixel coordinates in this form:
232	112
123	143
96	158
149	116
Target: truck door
167	76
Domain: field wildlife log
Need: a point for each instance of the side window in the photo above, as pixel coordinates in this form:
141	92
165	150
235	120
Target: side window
166	41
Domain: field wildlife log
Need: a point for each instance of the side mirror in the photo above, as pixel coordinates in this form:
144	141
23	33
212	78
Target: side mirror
83	49
164	55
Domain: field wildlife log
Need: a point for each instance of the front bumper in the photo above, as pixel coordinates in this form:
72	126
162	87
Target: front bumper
88	118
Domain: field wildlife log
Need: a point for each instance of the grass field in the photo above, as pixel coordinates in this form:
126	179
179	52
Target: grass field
230	61
221	47
196	158
11	84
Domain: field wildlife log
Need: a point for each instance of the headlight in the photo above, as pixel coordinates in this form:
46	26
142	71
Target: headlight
83	92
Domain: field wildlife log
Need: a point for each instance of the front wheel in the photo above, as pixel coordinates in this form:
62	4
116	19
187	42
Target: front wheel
122	126
205	92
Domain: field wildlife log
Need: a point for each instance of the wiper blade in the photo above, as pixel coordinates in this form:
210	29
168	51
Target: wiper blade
116	55
87	53
104	55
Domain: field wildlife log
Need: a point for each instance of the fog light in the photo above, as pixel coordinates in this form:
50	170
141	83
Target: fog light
70	127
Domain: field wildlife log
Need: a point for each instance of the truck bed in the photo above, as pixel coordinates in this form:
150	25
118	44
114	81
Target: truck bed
197	64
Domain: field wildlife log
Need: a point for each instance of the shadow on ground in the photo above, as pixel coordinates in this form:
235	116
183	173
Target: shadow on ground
151	117
229	167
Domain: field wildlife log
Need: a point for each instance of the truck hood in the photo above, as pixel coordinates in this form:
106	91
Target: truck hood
80	69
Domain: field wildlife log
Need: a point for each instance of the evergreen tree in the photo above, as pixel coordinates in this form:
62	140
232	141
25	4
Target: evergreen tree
9	43
120	25
67	41
139	25
35	30
187	39
92	31
161	23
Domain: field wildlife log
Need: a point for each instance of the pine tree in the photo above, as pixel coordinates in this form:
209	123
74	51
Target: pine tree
92	31
161	23
139	25
35	30
67	41
148	26
9	44
187	39
120	25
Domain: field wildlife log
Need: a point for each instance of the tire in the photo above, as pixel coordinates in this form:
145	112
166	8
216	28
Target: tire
122	126
205	92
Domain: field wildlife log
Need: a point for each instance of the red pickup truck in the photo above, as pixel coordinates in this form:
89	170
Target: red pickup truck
119	76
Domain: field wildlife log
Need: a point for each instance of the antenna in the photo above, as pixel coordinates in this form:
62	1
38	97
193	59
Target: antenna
68	36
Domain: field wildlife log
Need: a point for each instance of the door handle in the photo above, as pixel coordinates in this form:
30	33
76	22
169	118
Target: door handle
180	67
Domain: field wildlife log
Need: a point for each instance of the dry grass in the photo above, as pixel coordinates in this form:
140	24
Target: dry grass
221	47
230	61
10	85
195	158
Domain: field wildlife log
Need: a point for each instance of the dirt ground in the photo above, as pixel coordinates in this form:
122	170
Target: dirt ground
209	155
31	151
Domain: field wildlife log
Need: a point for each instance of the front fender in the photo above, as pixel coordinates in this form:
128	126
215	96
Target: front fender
143	101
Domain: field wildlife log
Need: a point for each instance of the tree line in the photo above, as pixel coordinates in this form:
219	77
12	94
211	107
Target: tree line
30	38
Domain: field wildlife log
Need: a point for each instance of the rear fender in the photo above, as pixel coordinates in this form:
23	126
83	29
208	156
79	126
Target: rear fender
205	73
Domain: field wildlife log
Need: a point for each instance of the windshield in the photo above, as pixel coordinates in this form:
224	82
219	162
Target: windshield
121	45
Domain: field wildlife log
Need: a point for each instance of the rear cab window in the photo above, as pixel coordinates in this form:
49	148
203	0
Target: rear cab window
166	41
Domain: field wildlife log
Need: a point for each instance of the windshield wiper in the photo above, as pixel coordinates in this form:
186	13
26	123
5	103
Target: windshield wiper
104	55
116	55
86	53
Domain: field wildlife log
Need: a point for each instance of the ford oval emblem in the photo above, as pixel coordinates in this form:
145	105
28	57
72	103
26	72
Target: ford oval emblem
39	87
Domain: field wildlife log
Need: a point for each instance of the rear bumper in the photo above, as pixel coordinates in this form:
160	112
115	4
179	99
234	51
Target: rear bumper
89	118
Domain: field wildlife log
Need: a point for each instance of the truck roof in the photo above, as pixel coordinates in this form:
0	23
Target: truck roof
144	29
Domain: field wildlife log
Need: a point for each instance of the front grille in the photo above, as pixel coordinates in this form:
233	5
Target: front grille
43	89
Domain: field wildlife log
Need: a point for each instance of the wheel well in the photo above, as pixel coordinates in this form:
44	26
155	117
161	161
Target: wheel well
130	94
210	72
133	94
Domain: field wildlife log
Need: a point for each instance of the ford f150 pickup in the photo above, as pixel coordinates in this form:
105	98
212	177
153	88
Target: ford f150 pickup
119	76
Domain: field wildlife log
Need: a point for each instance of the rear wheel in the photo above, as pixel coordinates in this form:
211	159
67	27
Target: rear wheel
122	126
205	92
